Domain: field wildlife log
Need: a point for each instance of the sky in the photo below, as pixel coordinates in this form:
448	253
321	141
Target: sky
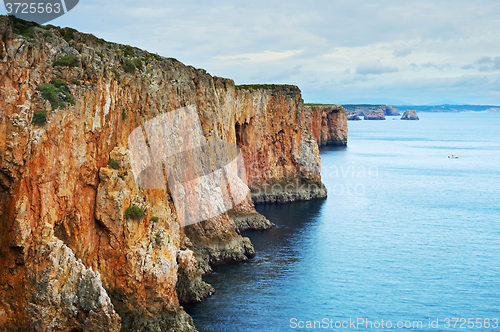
391	52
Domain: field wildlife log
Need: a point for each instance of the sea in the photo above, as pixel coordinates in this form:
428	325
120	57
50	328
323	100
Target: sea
408	238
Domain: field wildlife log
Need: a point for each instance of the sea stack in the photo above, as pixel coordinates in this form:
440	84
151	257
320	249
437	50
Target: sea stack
375	115
353	117
410	115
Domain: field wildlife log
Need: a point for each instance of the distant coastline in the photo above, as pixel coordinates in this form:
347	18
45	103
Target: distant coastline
427	108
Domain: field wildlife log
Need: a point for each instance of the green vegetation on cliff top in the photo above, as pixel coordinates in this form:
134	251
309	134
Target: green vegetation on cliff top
317	104
264	86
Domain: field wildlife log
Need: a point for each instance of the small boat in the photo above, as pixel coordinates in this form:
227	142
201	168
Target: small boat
453	156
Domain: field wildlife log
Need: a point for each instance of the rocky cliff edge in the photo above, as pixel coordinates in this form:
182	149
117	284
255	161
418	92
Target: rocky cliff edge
72	257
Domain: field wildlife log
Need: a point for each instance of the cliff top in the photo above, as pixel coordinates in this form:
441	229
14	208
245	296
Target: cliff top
318	104
132	59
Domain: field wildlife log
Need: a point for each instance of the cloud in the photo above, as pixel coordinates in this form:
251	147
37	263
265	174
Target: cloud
375	68
265	56
468	67
488	63
484	60
267	40
435	66
401	53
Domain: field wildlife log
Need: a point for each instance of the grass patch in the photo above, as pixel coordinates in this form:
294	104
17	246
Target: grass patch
114	164
76	82
154	219
100	55
56	93
66	61
40	118
134	212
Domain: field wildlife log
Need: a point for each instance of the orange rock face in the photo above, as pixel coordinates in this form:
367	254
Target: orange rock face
282	158
328	124
69	257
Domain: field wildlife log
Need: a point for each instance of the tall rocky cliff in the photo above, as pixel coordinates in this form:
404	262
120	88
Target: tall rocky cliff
69	258
327	123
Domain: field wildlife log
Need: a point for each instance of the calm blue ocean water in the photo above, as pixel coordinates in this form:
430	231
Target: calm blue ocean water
405	235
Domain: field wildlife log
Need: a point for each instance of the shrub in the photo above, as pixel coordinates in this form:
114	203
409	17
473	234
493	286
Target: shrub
66	61
127	50
51	92
138	64
60	84
39	118
30	33
66	33
124	114
134	212
76	82
129	66
155	56
114	164
155	219
100	54
121	176
158	239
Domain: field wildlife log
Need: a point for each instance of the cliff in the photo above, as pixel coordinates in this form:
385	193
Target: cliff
327	124
70	258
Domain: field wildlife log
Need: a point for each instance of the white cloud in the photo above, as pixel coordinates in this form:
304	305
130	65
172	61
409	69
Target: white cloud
312	43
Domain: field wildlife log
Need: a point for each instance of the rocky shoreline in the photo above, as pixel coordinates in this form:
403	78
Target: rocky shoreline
71	258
